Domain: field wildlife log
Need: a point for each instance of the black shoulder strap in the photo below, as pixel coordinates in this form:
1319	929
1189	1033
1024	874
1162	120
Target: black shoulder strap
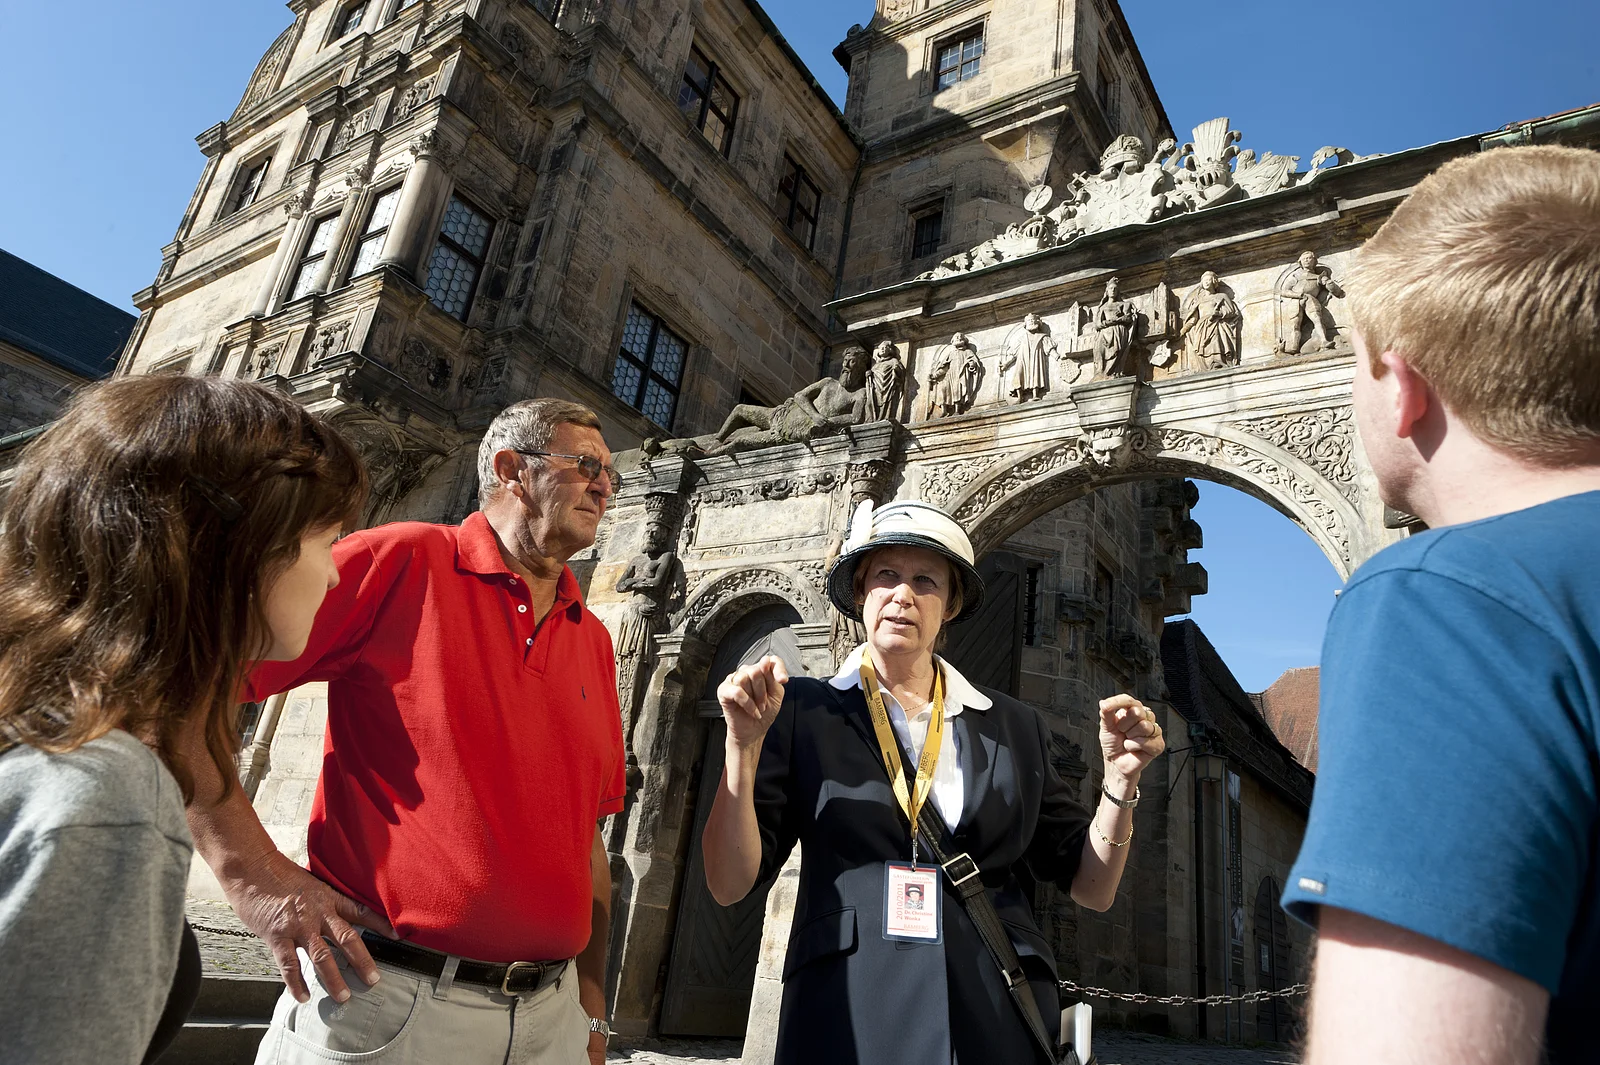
963	874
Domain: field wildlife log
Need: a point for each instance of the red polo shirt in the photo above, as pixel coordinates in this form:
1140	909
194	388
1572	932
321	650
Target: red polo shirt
468	752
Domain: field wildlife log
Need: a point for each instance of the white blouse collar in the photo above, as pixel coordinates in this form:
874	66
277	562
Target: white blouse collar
959	692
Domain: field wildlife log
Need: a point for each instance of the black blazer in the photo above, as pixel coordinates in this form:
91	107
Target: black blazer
850	996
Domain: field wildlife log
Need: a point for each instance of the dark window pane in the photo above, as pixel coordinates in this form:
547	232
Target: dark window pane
625	378
368	253
550	9
958	60
925	240
350	20
716	131
383	210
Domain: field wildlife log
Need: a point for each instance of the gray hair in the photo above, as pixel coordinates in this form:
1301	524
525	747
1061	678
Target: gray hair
525	426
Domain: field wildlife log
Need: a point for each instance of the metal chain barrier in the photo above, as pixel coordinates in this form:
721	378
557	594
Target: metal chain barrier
1141	998
221	931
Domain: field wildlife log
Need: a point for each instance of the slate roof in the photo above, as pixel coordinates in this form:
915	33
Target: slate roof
1203	689
60	323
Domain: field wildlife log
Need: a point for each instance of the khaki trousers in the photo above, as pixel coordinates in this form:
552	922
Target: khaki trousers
406	1019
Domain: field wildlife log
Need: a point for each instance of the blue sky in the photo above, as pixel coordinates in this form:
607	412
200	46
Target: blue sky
103	104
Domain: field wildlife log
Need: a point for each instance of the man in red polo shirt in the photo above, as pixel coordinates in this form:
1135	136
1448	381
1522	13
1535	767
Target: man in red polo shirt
473	742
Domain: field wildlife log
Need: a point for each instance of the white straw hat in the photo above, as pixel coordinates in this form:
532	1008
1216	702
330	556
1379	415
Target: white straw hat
914	524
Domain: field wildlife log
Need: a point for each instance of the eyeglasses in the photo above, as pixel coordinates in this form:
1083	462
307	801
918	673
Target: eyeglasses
588	465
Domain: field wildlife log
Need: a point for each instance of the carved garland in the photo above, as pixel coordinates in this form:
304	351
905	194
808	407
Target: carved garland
804	484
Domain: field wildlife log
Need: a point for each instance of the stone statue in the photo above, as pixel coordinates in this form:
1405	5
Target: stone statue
886	383
1115	322
1027	356
953	382
1210	324
648	577
1303	293
820	409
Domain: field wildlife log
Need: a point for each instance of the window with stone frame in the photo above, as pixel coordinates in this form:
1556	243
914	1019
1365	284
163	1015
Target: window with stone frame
457	261
708	100
370	250
349	19
958	57
927	230
550	9
1105	600
247	185
316	250
798	201
649	367
1032	602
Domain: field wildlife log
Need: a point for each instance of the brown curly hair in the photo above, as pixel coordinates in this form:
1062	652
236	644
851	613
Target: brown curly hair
136	545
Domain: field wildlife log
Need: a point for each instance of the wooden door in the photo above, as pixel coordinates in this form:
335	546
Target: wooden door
715	949
1276	1018
987	647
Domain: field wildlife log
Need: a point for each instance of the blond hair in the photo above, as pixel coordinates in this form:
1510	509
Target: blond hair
1487	281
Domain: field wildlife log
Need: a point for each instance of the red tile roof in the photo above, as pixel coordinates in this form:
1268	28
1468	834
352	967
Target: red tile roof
1290	707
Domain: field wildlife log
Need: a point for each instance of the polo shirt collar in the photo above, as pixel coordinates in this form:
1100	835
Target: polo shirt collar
959	693
478	551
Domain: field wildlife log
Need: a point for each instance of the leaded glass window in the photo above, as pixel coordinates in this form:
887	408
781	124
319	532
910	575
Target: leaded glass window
959	58
708	100
797	202
370	249
247	187
350	18
458	258
649	367
316	251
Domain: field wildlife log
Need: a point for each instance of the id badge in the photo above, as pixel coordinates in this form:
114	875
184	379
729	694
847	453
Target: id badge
912	903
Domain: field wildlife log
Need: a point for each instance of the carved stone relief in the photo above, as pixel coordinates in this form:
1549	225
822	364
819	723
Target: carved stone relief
353	127
1322	439
954	379
1131	188
331	340
1210	320
941	482
779	585
419	93
1025	359
1116	327
822	409
886	383
262	362
424	367
1304	291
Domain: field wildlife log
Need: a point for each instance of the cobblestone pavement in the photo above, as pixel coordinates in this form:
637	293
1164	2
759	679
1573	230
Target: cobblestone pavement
1112	1048
230	955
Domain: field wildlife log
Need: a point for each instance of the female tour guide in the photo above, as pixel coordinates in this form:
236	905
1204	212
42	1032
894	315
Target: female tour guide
900	939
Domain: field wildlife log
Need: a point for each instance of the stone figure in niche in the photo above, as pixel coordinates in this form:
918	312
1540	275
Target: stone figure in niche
1211	324
1027	358
826	407
1304	322
1115	322
886	383
953	382
648	578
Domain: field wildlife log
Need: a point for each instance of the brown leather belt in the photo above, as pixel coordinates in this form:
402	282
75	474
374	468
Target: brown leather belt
508	978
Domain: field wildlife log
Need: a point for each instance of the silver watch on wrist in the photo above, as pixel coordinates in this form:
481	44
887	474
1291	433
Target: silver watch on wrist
1126	804
598	1025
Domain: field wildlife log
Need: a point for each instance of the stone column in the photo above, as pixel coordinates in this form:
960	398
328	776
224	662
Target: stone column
341	229
293	233
421	197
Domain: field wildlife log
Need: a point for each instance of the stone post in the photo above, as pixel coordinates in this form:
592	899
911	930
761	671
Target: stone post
293	233
421	197
667	745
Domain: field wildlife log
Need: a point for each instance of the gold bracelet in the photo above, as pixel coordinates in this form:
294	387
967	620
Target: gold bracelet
1106	839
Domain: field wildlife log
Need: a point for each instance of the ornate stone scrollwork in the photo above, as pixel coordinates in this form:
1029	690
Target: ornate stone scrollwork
942	482
770	583
1322	439
262	362
331	340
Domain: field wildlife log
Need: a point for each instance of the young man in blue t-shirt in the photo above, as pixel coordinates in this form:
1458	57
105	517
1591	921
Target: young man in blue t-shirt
1450	862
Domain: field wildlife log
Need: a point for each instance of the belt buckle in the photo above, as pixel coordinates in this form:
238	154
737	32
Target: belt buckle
511	970
967	872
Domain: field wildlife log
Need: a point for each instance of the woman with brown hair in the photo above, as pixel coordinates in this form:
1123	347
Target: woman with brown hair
159	538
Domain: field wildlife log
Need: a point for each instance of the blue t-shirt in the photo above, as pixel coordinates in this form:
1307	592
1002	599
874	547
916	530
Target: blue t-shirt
1457	791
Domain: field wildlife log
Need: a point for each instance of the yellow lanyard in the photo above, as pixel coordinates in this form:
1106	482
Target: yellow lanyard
889	746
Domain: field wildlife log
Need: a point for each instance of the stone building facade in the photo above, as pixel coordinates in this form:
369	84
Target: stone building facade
1043	313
